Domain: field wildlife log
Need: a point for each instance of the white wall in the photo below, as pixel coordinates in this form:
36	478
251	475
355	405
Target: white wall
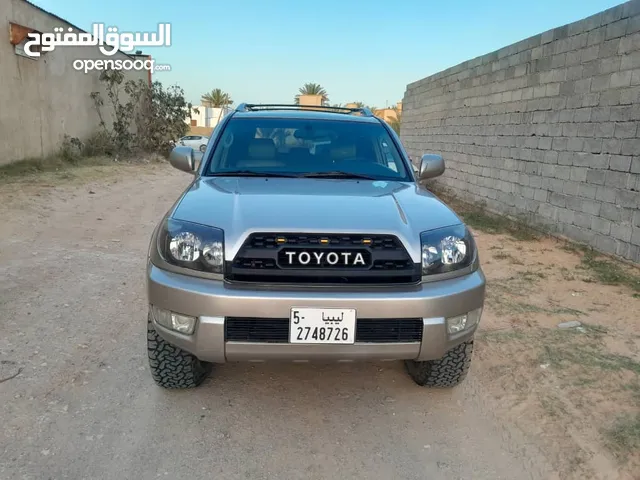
208	116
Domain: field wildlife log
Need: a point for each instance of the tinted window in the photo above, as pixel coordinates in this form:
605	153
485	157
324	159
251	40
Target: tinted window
300	146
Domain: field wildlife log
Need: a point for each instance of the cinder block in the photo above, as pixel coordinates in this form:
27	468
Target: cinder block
590	53
572	58
605	243
626	129
611	145
620	163
600	114
566	158
629	95
590	99
621	232
616	29
635	77
595	177
574	72
559	143
581	86
591	207
582	115
541	195
636	219
628	199
609	65
545	143
610	98
630	43
619	180
575	101
631	146
559	171
557	199
578	174
591	145
623	113
604	130
587	191
596	36
602	82
601	225
582	220
610	211
620	79
630	61
635	236
570	188
635	165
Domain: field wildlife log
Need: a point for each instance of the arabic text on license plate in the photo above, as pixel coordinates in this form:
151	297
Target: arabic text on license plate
322	325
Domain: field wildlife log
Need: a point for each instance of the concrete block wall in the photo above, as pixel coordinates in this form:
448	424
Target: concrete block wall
546	129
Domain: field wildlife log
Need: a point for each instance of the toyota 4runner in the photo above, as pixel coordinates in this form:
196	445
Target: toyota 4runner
306	235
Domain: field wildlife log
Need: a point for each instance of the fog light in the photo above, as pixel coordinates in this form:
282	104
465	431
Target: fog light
456	324
174	321
464	322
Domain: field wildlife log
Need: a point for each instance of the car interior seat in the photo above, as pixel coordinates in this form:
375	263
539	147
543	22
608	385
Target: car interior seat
261	152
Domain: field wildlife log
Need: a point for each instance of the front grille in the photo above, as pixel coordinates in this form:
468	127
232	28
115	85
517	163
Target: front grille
261	259
368	330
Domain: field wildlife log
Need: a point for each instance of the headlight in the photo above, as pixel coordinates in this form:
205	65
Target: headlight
192	245
447	249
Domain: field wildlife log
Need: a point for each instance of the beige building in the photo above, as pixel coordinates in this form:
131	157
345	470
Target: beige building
43	98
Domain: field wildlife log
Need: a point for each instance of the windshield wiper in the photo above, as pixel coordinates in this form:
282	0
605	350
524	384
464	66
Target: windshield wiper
251	173
336	174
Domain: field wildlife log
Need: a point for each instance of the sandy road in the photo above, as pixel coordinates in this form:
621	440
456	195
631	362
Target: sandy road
72	320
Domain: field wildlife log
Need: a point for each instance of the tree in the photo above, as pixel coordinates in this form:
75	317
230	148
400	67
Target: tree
216	98
141	116
395	122
312	89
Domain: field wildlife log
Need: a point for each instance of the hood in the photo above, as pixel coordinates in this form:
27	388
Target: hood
244	205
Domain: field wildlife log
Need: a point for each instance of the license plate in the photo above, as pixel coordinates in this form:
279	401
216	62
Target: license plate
322	325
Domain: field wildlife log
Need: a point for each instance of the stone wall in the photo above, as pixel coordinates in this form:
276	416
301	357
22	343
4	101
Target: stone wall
545	129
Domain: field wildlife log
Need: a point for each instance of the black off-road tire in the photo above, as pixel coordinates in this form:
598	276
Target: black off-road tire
447	371
172	367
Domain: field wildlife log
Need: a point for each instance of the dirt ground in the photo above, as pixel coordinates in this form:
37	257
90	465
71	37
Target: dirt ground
77	400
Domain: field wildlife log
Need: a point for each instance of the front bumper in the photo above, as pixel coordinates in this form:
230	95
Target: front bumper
211	301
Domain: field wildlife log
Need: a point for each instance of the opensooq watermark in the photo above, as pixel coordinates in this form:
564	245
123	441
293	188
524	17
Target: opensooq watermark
109	43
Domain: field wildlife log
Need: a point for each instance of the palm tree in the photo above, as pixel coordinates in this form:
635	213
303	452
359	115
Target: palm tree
395	122
312	89
216	98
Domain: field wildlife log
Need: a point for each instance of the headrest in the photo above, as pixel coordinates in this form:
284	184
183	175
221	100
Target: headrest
343	151
262	148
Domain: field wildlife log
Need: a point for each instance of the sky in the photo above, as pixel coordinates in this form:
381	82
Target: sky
358	50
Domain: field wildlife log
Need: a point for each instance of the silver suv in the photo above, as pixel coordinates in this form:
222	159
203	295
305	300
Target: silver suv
306	236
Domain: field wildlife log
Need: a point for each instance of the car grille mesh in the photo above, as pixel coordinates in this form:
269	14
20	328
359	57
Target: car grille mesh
257	260
276	330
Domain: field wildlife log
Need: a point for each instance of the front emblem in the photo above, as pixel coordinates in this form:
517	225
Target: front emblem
324	258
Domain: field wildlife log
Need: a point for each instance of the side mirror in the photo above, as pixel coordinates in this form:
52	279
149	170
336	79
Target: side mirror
183	159
431	166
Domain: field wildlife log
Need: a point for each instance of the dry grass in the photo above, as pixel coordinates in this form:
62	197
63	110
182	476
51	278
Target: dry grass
576	390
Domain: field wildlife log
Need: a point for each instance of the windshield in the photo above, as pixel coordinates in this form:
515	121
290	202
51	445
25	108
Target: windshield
302	147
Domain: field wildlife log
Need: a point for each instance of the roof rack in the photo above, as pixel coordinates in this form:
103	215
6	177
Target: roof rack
253	107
